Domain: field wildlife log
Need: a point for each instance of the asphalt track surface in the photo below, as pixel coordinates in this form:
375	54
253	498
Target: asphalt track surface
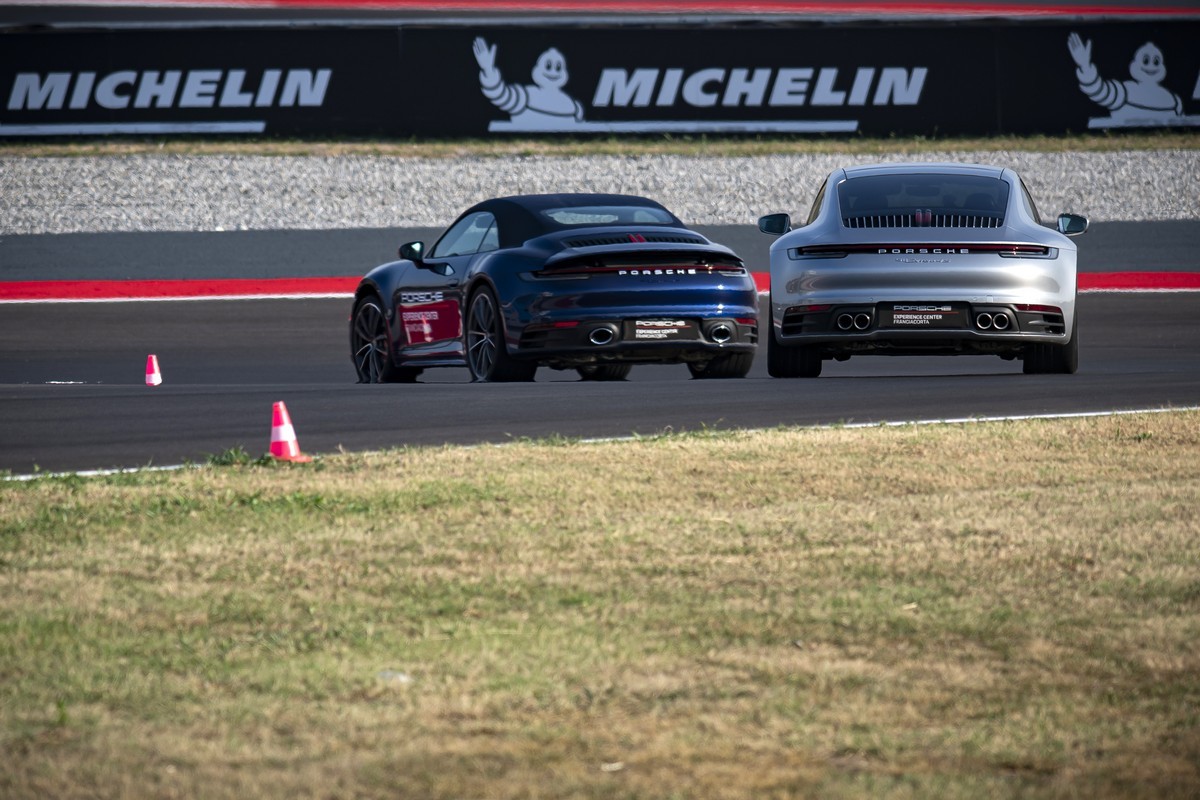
72	391
73	396
1107	247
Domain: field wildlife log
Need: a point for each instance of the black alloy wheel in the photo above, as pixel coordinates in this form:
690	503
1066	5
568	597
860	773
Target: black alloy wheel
487	356
370	345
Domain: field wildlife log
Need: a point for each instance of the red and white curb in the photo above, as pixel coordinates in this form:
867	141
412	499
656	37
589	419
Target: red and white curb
103	291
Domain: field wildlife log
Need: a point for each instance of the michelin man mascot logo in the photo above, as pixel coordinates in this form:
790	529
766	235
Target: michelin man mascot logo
1141	101
542	106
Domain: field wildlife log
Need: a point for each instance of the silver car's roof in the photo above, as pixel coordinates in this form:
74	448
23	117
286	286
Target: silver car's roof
924	168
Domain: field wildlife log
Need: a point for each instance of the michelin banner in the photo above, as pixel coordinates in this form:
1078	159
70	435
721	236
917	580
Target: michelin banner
190	81
498	80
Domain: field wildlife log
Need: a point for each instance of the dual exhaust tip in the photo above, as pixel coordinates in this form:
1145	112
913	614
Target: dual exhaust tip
605	334
993	322
859	322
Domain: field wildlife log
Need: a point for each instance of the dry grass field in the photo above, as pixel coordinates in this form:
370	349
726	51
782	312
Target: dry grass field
1001	609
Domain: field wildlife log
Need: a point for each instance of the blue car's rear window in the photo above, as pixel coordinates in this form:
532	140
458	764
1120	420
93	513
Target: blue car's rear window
608	215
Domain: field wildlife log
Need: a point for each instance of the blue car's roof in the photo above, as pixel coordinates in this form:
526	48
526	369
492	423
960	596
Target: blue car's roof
521	219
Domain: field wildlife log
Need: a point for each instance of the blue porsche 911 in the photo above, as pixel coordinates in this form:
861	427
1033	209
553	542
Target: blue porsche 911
590	282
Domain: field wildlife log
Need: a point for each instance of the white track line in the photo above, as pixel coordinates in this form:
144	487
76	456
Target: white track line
946	421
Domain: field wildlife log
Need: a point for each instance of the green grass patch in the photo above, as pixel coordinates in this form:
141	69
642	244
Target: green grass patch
999	609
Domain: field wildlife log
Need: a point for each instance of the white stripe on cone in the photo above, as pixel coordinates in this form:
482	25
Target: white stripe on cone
283	433
284	445
153	376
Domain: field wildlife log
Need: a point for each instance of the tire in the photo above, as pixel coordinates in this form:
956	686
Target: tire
1035	359
733	365
487	354
803	361
1056	359
604	372
371	345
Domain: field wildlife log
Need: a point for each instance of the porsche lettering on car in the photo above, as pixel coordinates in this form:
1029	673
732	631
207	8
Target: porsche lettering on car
922	259
591	282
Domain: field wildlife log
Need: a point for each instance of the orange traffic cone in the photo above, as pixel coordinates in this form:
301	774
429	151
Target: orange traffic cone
153	376
284	446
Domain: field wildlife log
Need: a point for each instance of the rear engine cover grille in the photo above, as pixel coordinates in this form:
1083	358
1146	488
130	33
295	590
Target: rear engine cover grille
918	221
626	238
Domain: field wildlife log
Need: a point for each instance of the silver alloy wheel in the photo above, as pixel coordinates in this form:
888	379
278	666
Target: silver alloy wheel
482	336
370	343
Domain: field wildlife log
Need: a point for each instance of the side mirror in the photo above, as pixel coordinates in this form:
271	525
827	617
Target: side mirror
413	251
1072	224
775	224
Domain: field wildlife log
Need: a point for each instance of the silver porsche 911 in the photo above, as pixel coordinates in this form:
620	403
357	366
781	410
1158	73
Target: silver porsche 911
922	259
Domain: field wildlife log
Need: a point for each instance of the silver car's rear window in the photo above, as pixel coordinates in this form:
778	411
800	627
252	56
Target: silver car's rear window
941	200
609	215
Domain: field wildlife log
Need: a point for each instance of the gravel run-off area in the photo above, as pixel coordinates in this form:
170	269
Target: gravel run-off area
212	193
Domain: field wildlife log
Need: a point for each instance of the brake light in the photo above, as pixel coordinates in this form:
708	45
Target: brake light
606	269
820	251
1026	251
